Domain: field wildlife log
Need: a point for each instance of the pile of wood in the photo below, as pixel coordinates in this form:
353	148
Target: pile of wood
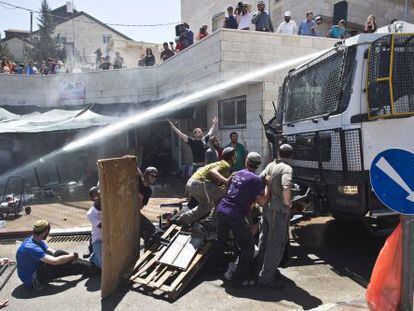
168	266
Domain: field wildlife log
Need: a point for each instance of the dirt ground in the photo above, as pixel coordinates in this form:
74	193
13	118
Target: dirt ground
66	215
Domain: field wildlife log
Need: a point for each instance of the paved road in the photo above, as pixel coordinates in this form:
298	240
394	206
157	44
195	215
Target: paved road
330	265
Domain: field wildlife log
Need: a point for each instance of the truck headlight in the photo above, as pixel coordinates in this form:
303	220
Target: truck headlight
348	190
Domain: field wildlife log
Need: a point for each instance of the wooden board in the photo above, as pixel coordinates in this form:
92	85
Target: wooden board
120	219
151	275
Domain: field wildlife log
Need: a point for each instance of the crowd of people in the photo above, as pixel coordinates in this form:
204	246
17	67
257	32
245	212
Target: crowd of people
47	67
241	18
225	188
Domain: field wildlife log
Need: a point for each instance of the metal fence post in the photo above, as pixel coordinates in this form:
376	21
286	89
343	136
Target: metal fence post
408	266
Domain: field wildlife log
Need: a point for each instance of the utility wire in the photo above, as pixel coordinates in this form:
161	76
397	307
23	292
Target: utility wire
13	6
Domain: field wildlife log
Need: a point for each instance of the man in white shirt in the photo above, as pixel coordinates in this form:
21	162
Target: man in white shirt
243	17
94	215
287	27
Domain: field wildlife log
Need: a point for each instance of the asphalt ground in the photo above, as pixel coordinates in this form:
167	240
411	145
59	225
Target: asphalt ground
330	266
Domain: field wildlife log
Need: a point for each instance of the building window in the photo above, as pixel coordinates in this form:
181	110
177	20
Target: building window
232	113
106	38
217	21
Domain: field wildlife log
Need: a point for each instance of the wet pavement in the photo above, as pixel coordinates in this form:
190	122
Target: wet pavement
329	268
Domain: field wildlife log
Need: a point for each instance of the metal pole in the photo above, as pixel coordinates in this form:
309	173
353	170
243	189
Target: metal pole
408	266
406	10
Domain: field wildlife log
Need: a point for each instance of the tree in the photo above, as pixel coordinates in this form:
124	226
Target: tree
45	46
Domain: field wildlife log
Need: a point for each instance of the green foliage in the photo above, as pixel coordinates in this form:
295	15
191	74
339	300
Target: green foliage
45	46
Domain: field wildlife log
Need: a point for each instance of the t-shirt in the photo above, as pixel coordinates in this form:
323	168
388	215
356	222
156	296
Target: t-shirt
280	177
336	32
28	259
287	28
245	186
231	22
166	54
241	156
306	28
95	217
145	191
198	148
244	21
203	173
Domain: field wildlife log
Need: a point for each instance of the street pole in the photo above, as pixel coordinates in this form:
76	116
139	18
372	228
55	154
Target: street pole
408	264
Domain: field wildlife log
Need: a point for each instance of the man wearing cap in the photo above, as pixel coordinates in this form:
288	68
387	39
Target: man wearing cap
207	187
287	27
261	19
307	26
245	189
39	264
94	215
275	226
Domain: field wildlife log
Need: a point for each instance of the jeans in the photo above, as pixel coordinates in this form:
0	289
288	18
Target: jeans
46	273
96	257
148	232
244	239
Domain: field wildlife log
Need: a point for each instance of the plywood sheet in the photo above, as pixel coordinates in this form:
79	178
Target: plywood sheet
120	219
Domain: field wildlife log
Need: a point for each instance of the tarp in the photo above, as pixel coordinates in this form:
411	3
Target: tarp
7	115
52	121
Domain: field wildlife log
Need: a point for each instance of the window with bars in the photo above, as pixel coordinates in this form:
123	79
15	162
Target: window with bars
317	88
232	113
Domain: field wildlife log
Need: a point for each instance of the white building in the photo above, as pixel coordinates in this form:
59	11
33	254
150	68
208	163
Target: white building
81	34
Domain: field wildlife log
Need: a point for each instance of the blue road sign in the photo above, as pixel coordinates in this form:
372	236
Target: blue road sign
392	178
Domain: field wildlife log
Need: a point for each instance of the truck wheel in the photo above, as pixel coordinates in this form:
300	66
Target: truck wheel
27	210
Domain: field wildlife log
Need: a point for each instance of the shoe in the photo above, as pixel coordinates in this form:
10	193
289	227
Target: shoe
273	284
247	283
37	286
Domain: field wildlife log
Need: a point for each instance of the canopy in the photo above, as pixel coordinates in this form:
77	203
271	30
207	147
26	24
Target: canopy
51	121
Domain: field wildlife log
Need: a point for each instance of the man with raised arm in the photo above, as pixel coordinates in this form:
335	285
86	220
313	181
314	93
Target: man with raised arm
198	143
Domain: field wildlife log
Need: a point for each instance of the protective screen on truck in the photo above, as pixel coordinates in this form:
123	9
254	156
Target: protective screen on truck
317	88
390	81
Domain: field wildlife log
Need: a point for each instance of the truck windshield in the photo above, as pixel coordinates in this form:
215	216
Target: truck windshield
390	82
317	88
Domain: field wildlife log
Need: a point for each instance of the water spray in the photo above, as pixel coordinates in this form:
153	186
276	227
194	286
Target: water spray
182	102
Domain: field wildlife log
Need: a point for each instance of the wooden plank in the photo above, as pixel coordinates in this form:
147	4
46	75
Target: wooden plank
188	252
191	271
174	249
156	283
120	219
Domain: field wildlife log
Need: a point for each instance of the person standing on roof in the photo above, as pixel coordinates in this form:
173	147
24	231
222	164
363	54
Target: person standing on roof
261	19
288	26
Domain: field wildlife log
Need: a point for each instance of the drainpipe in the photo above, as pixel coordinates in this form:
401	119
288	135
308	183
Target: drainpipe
31	22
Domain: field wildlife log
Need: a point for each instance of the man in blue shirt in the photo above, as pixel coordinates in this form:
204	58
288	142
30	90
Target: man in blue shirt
307	27
230	21
38	264
245	189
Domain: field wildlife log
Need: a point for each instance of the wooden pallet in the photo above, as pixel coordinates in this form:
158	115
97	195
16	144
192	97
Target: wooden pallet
151	275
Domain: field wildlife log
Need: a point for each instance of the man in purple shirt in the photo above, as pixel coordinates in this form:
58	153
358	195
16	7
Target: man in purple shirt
245	189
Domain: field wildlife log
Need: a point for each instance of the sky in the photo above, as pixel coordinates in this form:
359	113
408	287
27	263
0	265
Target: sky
107	11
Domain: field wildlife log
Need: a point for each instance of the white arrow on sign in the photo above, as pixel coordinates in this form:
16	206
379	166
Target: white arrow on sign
386	167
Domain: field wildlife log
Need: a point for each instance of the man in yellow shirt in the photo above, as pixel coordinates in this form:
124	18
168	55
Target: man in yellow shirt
207	186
